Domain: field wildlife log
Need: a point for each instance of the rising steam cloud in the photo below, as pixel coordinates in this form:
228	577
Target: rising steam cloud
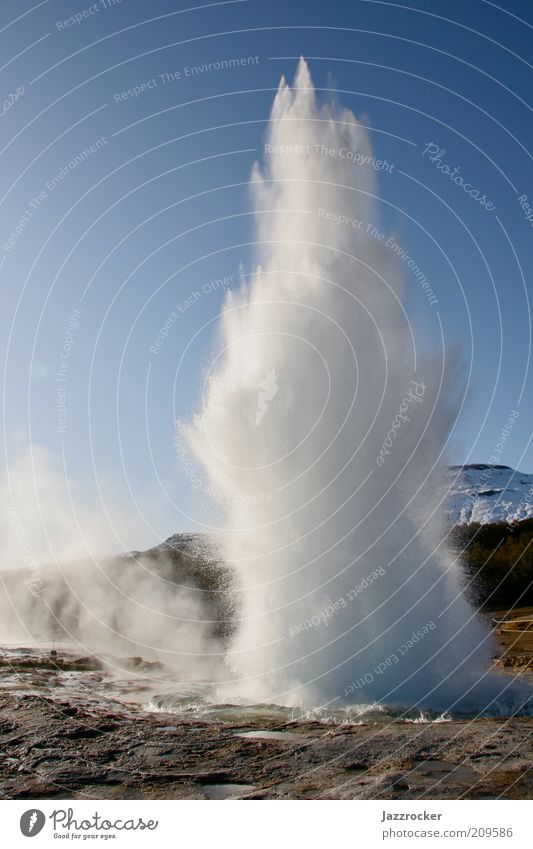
59	582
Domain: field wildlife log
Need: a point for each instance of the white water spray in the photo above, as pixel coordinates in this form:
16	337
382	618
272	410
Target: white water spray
323	429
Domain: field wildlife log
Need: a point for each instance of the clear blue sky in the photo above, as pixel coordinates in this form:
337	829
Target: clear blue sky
159	208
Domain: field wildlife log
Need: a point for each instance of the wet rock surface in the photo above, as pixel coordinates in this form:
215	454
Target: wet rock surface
52	749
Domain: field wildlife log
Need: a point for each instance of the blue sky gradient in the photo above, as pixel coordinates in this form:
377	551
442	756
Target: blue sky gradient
159	209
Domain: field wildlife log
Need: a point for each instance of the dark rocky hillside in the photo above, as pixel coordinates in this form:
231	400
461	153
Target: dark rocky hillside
498	562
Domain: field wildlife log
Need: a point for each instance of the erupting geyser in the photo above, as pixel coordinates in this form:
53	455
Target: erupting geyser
322	429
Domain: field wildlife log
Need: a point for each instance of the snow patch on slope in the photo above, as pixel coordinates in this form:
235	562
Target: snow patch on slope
484	493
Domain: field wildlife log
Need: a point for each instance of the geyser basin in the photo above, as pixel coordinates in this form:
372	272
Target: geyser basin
323	430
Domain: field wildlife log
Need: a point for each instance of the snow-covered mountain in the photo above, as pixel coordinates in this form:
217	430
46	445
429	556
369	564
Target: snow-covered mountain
483	493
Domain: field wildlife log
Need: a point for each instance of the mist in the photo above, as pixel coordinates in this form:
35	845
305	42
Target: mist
319	398
60	581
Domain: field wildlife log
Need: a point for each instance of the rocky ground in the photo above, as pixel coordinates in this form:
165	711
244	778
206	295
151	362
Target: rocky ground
64	735
53	749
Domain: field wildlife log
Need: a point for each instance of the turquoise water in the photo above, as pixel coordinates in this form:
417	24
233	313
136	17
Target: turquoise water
123	683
